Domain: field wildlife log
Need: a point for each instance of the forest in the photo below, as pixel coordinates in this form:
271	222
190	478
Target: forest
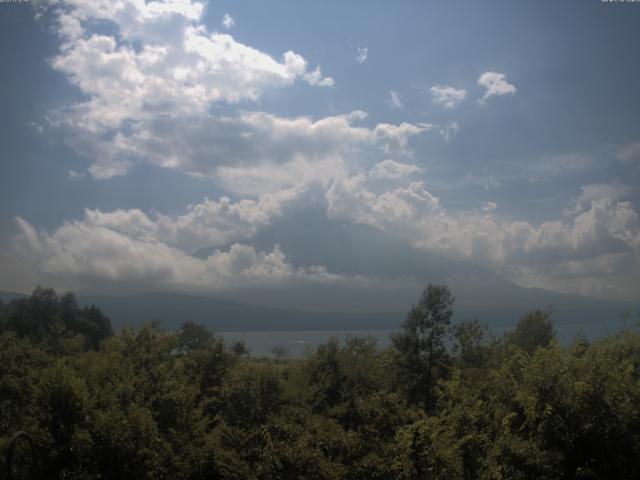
444	401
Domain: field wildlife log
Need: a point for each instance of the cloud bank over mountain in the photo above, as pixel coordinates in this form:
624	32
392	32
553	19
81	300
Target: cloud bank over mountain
176	86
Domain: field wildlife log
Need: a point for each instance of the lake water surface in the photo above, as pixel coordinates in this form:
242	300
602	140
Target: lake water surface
300	343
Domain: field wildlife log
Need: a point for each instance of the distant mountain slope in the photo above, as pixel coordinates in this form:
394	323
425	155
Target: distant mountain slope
310	238
593	319
6	297
385	276
173	309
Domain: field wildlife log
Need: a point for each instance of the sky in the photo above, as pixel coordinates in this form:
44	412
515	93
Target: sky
503	134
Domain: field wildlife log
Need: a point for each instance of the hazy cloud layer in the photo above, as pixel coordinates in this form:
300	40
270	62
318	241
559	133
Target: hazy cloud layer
606	227
589	251
602	242
203	144
83	252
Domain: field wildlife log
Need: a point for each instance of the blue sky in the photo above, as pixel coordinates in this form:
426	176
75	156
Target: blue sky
501	133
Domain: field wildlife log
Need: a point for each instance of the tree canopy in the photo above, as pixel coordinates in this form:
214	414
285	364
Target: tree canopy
155	404
421	356
46	317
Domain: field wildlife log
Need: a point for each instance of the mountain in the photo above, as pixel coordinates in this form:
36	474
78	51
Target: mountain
173	309
309	237
385	277
591	318
6	297
395	273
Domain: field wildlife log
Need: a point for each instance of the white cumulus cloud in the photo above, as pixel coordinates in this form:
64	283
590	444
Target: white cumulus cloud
233	149
449	130
587	253
151	79
127	246
446	96
496	85
362	54
488	206
394	99
228	21
393	170
74	175
552	250
156	66
208	223
316	79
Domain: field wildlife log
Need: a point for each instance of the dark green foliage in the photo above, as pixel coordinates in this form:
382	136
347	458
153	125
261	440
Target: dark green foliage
194	337
338	375
533	330
280	352
151	404
46	318
252	394
240	349
2	314
470	344
421	358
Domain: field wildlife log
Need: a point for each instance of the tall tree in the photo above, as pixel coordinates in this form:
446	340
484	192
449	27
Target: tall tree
421	357
470	344
193	336
534	330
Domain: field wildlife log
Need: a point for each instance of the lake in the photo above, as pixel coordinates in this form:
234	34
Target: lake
300	343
